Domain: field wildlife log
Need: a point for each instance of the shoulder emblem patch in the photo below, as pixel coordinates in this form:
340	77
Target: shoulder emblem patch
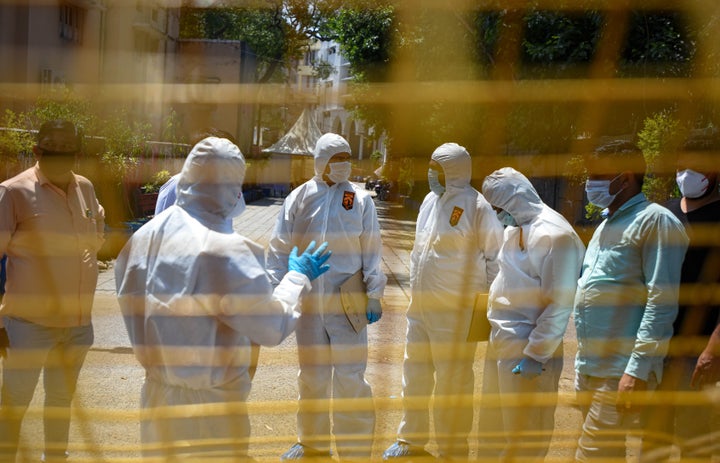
455	216
348	200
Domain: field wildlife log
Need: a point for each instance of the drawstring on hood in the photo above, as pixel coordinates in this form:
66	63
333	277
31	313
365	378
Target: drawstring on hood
210	184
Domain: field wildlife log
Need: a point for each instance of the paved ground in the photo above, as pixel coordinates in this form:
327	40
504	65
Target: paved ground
106	428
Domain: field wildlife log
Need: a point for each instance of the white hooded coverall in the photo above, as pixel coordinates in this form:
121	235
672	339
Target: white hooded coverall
458	238
530	303
331	355
194	294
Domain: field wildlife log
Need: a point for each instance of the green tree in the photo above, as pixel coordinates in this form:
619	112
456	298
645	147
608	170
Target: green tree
387	41
365	31
560	38
125	139
554	44
659	140
113	142
277	31
59	103
659	44
13	143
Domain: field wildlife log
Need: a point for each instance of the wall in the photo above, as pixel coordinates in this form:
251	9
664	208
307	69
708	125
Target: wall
204	63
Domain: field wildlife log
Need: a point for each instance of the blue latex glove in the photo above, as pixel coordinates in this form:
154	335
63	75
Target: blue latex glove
310	263
373	311
528	368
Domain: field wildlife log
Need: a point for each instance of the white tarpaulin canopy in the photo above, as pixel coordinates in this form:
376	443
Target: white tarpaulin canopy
300	139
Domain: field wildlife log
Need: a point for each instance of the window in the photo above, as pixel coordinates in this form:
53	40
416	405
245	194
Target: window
308	82
310	57
71	22
46	76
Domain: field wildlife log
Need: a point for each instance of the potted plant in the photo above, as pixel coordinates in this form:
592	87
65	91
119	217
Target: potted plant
149	193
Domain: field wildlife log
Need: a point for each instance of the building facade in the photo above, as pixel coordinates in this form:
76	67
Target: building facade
89	46
325	76
125	53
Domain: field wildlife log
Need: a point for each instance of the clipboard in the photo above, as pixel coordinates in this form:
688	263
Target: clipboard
353	297
479	324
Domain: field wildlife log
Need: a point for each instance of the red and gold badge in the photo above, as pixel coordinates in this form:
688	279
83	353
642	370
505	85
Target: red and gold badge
455	216
348	200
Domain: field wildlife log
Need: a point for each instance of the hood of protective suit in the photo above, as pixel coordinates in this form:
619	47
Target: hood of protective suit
210	183
510	190
326	147
456	164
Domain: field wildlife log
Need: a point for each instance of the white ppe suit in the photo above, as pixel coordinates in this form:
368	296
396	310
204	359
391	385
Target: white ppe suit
530	303
330	352
458	238
194	294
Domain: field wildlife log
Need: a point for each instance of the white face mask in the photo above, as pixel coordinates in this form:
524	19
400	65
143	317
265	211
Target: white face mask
239	207
598	192
339	171
692	184
434	182
506	219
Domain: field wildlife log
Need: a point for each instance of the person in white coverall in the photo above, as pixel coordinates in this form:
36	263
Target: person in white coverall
332	356
530	303
457	242
194	295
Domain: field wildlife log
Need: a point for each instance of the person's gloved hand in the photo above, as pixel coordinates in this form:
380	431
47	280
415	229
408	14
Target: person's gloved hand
310	265
4	342
528	368
373	311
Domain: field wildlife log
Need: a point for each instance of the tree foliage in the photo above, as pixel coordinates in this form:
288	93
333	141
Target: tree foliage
658	140
14	143
125	138
113	141
365	33
388	41
277	31
555	39
60	103
554	44
660	41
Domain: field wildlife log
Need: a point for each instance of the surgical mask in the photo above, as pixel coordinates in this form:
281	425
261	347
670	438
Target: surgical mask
57	162
339	171
692	184
239	207
598	192
506	219
434	182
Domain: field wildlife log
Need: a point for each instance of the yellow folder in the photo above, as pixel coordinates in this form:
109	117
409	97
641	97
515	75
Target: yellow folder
479	325
353	295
